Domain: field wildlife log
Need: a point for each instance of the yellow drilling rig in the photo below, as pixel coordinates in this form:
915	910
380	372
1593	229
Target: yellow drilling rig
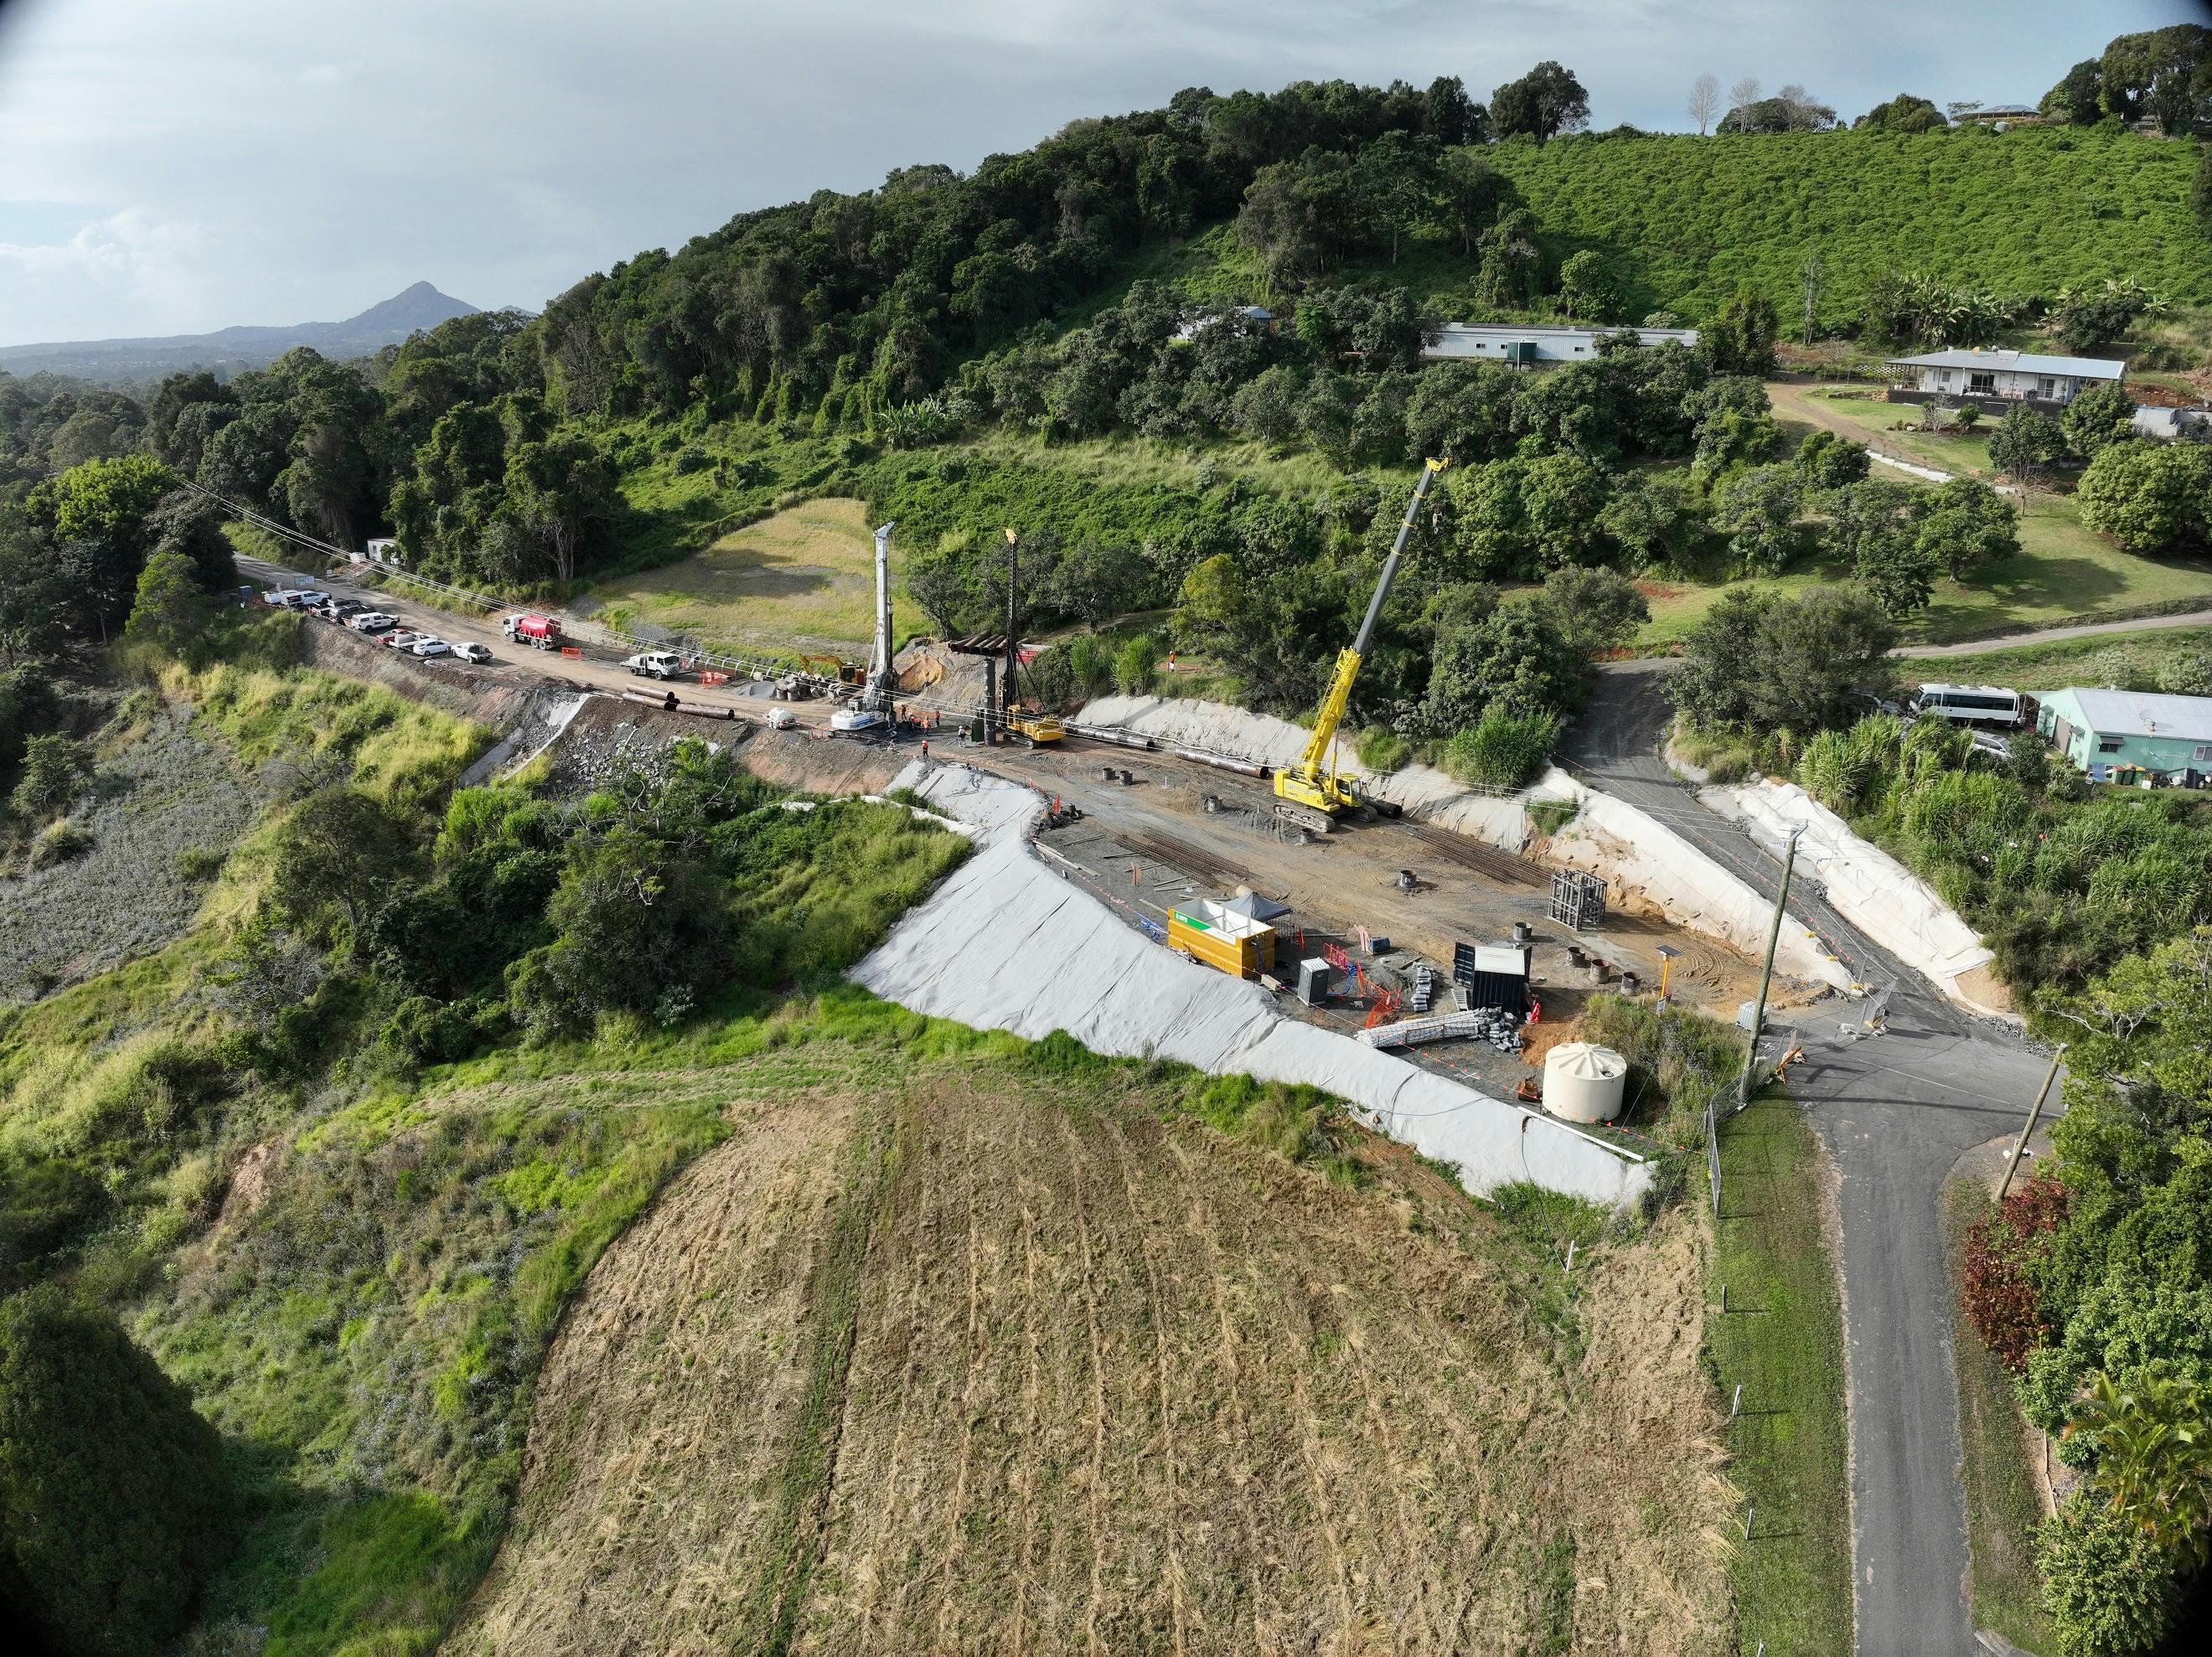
1312	793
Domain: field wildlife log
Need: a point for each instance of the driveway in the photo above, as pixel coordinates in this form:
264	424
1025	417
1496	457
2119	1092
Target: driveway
2086	630
1791	401
1893	1111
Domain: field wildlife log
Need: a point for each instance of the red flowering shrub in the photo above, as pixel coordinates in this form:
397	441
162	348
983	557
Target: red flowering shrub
2000	1300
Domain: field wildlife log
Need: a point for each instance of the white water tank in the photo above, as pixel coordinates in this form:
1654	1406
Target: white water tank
1583	1081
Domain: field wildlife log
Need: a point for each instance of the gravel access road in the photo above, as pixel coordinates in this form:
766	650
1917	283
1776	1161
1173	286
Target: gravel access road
595	669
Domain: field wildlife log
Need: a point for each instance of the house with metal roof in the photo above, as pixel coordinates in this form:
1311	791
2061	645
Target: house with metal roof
1995	380
2170	425
2001	115
2119	736
1529	345
1255	316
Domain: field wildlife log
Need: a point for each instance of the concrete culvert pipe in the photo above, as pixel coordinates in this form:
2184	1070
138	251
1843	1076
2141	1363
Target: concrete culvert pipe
1583	1081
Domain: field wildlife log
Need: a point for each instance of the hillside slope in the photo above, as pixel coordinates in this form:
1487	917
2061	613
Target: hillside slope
1688	218
976	1357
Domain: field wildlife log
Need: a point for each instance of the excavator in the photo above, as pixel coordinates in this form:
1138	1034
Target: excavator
1311	792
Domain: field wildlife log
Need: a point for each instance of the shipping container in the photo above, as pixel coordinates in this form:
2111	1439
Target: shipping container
1222	938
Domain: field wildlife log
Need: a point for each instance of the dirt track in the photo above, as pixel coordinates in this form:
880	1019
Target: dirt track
986	1362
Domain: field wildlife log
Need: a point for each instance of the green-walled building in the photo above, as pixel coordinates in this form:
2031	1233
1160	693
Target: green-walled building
2116	735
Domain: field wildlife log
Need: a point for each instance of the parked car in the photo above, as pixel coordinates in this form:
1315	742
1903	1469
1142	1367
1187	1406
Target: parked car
401	639
655	663
781	718
473	651
373	621
430	645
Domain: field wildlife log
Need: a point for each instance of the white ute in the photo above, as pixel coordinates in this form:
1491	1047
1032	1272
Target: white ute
655	663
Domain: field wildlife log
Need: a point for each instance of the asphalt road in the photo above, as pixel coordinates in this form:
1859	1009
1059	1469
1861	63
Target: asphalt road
1894	1112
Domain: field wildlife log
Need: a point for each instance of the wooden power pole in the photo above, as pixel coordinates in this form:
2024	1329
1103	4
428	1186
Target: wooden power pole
1766	972
2035	1110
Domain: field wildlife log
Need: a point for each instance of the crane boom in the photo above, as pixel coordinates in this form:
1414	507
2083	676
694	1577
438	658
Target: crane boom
1312	783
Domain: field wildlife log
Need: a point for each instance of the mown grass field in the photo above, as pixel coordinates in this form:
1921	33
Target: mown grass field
1870	420
2063	572
2129	661
1782	1340
805	578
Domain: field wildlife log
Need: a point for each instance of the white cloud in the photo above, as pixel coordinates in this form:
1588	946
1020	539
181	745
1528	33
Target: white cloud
315	159
134	261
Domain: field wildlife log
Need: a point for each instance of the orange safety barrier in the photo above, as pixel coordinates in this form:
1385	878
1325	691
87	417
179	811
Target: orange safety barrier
710	675
572	651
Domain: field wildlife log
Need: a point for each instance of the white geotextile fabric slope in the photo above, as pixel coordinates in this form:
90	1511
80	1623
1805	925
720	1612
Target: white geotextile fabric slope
1007	942
1433	795
1867	886
1636	853
1214	725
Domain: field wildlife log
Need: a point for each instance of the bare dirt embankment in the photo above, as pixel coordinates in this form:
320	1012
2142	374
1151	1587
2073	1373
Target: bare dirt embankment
497	700
958	1362
609	734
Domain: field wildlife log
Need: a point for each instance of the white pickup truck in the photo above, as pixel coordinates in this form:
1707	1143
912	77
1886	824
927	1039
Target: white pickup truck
655	663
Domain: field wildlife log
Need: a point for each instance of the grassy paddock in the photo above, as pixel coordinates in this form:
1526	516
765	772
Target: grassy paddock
2003	1508
412	1378
1130	461
407	751
1874	418
2062	573
806	576
1782	1340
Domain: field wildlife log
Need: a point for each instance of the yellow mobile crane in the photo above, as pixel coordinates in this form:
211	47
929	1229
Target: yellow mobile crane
1311	793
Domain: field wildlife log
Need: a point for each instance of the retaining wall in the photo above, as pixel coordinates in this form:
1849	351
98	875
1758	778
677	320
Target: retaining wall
1639	856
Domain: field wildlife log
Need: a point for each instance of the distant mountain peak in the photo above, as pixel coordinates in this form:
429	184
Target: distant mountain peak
419	305
388	322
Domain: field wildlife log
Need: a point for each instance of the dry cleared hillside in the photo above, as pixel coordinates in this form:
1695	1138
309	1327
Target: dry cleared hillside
973	1354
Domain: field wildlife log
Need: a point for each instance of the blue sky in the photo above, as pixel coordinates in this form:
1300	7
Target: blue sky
176	167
